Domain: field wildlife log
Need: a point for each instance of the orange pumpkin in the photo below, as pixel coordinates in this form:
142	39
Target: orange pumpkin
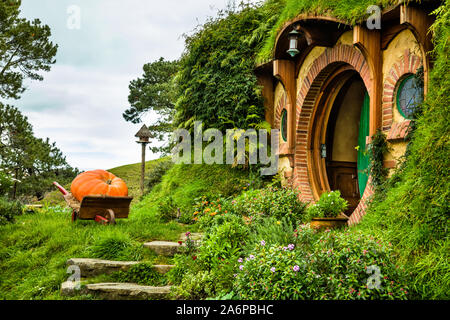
98	182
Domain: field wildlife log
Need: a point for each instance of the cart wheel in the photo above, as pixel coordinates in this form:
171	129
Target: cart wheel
74	216
111	216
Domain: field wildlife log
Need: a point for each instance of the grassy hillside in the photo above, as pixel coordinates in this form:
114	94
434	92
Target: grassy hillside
35	248
131	174
183	183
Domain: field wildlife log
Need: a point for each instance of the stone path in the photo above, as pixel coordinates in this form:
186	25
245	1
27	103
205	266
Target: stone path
117	291
124	291
95	267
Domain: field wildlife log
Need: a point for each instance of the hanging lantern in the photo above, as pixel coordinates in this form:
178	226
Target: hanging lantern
294	35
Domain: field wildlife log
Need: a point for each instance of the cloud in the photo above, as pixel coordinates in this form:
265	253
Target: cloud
80	102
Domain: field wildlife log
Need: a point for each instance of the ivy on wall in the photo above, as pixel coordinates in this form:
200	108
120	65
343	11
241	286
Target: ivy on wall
216	83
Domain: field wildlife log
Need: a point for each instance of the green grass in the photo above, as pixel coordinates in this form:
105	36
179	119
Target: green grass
351	11
35	248
131	174
184	183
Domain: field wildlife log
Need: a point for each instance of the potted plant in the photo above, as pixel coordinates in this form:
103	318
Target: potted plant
328	211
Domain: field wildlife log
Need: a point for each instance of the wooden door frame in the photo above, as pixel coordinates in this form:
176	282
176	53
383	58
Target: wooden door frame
318	127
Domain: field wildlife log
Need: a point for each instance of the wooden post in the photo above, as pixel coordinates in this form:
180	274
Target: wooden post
143	134
143	167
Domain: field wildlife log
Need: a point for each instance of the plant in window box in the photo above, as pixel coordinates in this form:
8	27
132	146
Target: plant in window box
328	213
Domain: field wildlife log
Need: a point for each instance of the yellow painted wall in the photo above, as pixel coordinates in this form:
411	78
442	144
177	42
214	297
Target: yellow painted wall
405	40
279	92
346	38
284	166
312	56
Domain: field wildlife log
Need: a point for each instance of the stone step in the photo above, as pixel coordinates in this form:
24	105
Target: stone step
95	267
165	248
194	236
116	291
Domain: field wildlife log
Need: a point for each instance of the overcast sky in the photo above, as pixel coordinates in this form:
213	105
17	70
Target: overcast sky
79	104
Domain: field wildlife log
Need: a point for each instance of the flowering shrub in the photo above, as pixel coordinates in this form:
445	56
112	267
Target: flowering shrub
327	265
223	241
329	205
211	272
273	231
270	202
206	211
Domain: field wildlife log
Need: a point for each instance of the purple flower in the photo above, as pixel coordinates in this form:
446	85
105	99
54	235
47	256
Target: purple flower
240	260
296	268
241	267
263	243
272	269
291	247
252	257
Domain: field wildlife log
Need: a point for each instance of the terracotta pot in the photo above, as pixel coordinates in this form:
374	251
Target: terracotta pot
329	223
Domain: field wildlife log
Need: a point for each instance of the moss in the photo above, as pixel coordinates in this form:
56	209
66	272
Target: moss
350	11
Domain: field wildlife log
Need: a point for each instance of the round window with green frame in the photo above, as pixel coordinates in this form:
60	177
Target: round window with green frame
284	125
409	96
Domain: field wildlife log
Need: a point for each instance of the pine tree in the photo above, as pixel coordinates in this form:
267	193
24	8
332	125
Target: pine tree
25	49
32	162
154	93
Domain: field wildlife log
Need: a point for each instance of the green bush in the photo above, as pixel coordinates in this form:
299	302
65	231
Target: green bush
194	286
6	183
273	231
9	209
328	265
155	175
183	264
223	241
167	209
330	205
209	211
270	202
210	272
216	83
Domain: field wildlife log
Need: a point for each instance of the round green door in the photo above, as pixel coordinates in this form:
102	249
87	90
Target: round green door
363	156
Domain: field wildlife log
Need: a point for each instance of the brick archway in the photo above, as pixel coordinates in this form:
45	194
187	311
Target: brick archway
407	64
322	68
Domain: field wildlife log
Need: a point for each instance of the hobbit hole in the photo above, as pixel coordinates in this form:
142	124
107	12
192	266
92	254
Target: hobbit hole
344	83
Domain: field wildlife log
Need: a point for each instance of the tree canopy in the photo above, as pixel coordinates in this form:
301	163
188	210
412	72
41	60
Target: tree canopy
216	83
32	161
154	93
25	49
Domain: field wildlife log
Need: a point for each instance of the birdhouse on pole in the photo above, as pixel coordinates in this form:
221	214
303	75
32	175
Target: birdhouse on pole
144	135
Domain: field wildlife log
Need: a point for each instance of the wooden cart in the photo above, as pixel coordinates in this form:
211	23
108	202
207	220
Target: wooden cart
102	209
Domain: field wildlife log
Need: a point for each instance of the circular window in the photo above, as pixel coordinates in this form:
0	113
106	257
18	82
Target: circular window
284	124
409	96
